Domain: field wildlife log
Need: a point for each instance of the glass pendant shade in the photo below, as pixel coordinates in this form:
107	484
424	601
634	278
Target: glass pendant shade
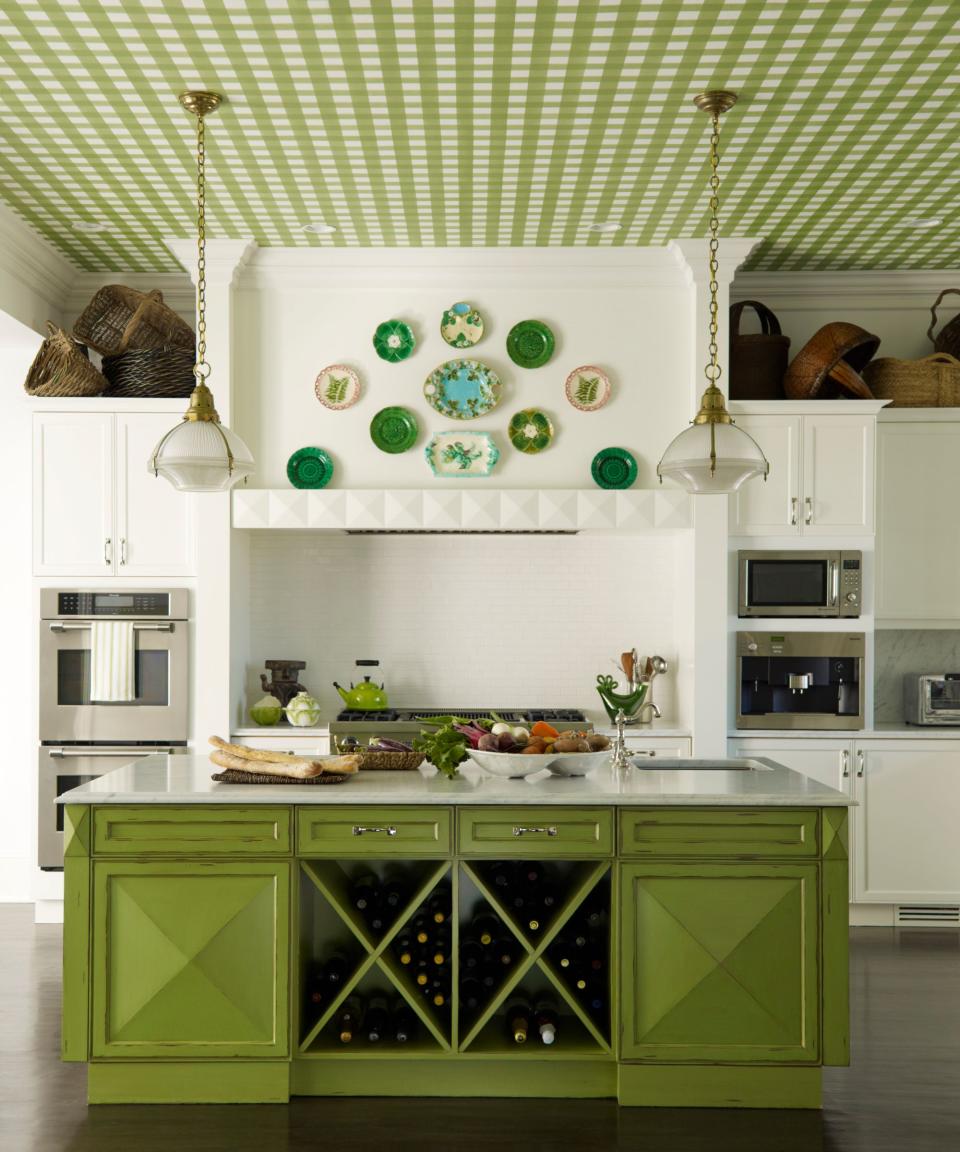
194	457
708	458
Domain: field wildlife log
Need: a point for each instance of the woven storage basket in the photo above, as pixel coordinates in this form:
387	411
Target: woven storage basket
948	338
758	360
933	382
120	318
389	761
61	368
150	372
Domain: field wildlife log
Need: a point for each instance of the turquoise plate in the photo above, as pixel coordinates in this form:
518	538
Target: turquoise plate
309	468
530	344
394	429
613	468
463	389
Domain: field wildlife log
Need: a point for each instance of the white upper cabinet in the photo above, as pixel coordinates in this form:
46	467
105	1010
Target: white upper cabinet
918	537
821	480
97	510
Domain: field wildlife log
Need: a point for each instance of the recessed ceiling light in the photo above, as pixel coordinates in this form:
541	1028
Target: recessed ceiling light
319	229
922	221
605	226
89	226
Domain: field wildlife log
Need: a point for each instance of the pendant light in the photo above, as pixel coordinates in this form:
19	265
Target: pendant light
200	454
713	454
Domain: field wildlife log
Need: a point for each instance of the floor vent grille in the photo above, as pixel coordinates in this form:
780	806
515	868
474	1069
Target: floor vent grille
928	915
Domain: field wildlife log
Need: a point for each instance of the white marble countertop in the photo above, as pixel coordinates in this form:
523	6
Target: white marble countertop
889	730
282	730
187	780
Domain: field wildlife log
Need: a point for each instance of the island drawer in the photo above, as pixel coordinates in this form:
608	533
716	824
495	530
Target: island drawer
374	832
709	832
205	830
536	832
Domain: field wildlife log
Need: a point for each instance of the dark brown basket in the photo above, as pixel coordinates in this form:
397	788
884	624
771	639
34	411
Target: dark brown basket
948	338
758	360
61	368
150	372
120	318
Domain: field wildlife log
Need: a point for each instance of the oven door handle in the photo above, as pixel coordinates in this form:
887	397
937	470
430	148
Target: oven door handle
130	753
61	626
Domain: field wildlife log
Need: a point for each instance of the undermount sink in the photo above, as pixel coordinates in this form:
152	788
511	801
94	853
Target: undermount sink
652	764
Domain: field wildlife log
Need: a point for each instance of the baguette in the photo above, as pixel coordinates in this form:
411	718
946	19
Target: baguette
279	763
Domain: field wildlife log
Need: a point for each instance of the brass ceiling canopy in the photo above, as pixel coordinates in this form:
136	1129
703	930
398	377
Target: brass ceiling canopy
717	101
200	102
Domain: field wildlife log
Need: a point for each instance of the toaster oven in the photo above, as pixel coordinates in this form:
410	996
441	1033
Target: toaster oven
932	699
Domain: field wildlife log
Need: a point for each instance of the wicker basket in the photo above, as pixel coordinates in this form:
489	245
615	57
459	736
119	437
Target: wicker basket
150	372
61	368
120	318
758	360
948	338
933	382
389	761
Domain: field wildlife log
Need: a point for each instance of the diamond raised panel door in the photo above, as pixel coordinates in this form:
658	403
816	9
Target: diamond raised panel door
190	960
770	507
719	963
838	473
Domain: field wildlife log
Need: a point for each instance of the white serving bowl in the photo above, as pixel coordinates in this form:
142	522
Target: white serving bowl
575	763
515	765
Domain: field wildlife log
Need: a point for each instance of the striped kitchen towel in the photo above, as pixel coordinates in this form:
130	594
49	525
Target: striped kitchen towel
111	661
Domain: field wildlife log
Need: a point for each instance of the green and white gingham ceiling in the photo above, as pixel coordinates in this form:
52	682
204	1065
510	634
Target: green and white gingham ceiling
486	122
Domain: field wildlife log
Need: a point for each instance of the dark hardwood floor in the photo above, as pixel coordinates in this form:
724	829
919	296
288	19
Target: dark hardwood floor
902	1093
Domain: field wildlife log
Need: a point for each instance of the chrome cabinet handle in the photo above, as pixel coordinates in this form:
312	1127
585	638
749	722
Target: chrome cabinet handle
808	505
641	752
107	552
522	830
845	763
361	829
123	549
793	509
860	764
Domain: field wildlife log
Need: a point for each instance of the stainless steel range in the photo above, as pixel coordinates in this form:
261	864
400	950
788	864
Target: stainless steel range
405	723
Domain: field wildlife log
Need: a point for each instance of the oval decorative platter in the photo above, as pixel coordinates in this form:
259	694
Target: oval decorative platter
461	325
394	340
394	429
337	387
462	454
613	468
530	343
531	430
587	388
309	468
463	389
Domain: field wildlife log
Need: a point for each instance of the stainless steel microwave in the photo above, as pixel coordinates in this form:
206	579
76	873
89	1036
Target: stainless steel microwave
800	583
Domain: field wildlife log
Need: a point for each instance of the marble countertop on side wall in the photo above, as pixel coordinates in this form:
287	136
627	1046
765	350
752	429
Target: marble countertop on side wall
187	780
892	730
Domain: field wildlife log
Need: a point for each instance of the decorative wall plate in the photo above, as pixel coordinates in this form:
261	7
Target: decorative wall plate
530	343
587	388
462	454
531	430
461	325
394	340
394	429
613	468
309	468
463	389
337	387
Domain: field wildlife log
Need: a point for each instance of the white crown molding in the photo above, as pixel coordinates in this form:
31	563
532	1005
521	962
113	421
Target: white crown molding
29	259
692	257
878	290
224	258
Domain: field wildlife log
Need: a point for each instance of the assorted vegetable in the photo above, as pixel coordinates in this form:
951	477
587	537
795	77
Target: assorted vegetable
446	748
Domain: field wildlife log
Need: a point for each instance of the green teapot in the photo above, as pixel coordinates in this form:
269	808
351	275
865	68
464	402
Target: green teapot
365	696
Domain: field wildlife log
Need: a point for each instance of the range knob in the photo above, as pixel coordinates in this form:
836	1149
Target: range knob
852	597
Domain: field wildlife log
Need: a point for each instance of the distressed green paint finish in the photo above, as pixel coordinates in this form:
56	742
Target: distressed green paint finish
76	830
719	962
190	959
665	1086
189	1082
720	833
75	1012
527	832
375	832
208	829
835	938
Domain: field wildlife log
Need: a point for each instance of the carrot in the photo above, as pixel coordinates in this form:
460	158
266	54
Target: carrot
545	730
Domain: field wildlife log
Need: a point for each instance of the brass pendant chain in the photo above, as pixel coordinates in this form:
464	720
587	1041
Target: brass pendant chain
713	369
202	368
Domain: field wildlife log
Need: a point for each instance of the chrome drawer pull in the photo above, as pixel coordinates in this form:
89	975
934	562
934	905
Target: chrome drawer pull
521	830
640	752
360	829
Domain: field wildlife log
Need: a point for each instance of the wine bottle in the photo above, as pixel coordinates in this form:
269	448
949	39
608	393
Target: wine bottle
348	1019
396	889
529	873
336	969
376	1018
404	1022
404	948
485	925
471	953
502	875
315	991
503	950
546	1020
421	929
519	1014
595	997
489	977
364	891
594	917
471	993
440	903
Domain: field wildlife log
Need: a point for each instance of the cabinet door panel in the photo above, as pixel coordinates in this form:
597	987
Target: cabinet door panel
770	507
719	962
155	522
190	959
73	494
837	475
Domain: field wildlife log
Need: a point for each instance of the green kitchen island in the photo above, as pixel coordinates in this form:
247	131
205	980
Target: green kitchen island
195	913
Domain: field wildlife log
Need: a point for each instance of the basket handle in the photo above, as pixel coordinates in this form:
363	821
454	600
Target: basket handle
940	358
769	324
155	296
936	305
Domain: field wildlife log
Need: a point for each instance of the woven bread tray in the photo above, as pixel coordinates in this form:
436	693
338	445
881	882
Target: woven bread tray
389	761
233	776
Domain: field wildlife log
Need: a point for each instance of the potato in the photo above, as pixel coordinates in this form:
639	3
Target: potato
597	742
533	750
569	744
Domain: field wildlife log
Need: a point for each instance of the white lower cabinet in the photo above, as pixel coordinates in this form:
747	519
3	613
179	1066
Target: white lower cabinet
658	747
315	745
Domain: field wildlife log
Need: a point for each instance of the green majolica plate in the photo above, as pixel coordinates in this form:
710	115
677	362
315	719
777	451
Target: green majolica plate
463	389
613	468
394	340
530	343
531	430
309	468
394	429
461	325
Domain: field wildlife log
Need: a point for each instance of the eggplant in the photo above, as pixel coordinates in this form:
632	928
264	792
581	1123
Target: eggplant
382	744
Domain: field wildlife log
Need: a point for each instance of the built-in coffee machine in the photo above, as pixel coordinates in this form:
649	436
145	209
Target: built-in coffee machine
798	680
